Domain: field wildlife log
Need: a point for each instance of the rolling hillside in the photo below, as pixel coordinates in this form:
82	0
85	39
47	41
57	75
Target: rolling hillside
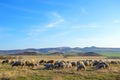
63	50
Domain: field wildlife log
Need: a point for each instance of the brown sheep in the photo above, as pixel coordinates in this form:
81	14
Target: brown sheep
50	61
74	64
42	61
31	64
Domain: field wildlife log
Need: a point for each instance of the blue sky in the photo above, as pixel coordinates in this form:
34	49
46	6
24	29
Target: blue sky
58	23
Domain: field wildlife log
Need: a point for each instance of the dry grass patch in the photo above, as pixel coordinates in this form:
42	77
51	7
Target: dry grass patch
37	73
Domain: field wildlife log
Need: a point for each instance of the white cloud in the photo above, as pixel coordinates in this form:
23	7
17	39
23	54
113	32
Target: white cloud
55	14
54	24
36	31
58	20
86	26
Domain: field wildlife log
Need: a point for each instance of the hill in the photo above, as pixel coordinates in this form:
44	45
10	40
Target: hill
61	50
88	54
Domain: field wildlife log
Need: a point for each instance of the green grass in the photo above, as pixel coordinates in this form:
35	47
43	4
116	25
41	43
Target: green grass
110	54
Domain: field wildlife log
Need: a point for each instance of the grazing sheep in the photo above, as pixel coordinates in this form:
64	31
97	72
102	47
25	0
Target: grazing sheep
102	65
5	61
68	61
63	61
62	65
80	65
27	62
95	62
90	62
42	61
74	64
49	66
31	65
68	65
32	61
17	63
11	62
57	64
114	62
50	61
86	62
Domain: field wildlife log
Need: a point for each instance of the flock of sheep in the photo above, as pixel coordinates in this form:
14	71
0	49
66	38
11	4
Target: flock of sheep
21	63
52	64
81	64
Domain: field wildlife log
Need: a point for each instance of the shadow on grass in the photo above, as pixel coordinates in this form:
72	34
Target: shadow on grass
5	78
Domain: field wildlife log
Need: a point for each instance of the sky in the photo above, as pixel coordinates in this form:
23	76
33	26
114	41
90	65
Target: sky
59	23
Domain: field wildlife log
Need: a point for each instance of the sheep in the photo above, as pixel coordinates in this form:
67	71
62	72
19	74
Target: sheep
68	65
86	62
95	62
5	61
62	64
74	64
49	66
80	65
63	61
50	61
42	61
102	65
17	63
11	62
31	64
114	62
27	62
57	64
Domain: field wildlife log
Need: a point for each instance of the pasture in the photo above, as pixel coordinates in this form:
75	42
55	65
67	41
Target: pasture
38	73
110	54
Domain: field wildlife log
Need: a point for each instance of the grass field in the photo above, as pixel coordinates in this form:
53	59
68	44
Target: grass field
110	54
37	73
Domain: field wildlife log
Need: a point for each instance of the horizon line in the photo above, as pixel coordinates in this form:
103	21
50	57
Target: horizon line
57	47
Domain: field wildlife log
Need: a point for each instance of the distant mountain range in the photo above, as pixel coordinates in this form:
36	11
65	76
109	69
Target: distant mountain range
61	49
